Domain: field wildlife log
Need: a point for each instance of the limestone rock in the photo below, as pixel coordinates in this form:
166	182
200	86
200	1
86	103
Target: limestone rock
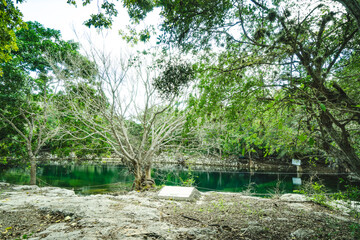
254	229
290	197
3	184
302	233
345	207
54	191
300	206
25	187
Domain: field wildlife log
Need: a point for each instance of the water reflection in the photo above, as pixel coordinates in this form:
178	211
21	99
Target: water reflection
89	179
256	182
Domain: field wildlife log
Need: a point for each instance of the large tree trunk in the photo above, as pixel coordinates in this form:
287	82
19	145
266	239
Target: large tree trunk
148	172
352	7
349	157
142	179
32	171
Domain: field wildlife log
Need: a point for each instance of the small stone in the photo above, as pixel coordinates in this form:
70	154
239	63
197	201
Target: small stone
268	210
341	218
302	233
300	206
255	229
67	218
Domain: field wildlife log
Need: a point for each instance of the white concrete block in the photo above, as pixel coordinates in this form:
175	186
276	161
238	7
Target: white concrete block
179	193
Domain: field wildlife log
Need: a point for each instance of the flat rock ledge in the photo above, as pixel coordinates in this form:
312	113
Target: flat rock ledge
293	197
131	216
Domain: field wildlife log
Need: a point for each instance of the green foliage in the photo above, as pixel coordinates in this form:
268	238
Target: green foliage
25	236
133	36
234	122
101	19
26	87
174	77
355	230
316	192
351	193
270	66
264	71
10	22
42	50
183	16
137	9
319	193
38	48
189	181
76	141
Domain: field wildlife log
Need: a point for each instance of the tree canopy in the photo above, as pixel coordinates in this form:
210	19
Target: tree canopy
10	21
28	90
278	53
270	78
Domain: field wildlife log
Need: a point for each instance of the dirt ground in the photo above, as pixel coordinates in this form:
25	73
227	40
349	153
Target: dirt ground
23	223
214	216
243	217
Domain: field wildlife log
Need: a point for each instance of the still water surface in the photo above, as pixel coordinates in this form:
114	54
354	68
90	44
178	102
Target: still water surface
90	179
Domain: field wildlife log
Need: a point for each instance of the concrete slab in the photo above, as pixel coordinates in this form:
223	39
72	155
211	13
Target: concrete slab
179	193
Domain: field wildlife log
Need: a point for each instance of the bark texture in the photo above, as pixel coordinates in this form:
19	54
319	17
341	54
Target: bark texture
352	7
33	171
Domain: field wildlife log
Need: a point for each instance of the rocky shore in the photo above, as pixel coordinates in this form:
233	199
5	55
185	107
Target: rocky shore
31	212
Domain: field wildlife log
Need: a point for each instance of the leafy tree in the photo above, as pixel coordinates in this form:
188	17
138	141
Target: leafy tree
138	9
304	49
74	140
235	121
101	19
10	21
353	8
28	90
301	53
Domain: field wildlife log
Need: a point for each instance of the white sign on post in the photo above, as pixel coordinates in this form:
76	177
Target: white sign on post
296	162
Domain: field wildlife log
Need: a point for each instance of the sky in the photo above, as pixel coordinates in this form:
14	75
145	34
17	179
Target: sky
59	15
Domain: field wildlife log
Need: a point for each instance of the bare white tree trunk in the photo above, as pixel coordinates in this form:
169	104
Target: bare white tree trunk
122	108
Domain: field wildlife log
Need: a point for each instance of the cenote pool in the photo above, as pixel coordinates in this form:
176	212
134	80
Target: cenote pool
92	179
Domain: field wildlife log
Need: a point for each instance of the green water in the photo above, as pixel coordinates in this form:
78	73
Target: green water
91	179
